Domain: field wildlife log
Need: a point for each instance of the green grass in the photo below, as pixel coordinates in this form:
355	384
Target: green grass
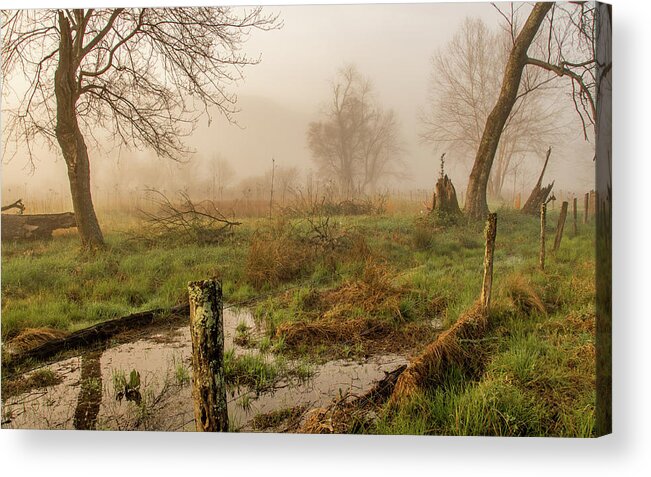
538	378
255	371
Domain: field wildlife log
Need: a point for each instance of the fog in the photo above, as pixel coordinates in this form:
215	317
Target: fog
390	44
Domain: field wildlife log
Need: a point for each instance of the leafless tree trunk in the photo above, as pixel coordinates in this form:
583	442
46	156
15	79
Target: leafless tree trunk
72	141
476	205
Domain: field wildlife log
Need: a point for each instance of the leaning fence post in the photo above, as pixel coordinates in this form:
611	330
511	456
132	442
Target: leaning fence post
560	226
207	331
543	224
487	284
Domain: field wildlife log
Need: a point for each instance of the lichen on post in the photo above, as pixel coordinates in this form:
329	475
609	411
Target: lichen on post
207	330
487	284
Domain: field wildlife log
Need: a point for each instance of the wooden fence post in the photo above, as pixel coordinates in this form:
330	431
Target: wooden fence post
207	331
560	226
586	207
543	224
487	284
574	215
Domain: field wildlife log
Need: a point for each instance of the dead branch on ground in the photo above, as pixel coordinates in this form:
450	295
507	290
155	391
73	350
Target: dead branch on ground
200	222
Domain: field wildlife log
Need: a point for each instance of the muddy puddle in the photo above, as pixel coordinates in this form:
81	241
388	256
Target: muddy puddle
146	385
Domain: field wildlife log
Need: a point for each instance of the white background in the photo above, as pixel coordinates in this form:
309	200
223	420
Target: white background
626	452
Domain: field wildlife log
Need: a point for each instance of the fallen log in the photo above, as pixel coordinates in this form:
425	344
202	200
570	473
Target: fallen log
96	333
16	205
539	193
37	226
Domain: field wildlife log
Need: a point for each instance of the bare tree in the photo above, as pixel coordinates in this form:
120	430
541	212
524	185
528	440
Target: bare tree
465	83
358	142
567	37
135	76
286	180
222	175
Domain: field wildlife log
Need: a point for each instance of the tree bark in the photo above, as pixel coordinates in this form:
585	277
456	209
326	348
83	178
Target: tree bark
476	205
71	140
487	284
207	331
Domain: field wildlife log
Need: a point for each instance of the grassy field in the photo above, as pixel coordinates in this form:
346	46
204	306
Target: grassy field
352	286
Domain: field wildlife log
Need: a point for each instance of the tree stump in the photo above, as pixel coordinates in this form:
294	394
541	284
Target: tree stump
560	226
207	331
487	285
444	201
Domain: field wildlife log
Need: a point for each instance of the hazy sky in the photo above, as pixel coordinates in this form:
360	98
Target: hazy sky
391	44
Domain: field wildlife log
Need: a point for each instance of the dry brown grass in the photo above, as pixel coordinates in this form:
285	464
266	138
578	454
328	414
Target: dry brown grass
342	416
277	256
365	309
524	296
333	331
432	364
31	338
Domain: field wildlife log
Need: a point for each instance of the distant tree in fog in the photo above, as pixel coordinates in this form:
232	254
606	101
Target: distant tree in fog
357	143
465	82
259	187
142	75
222	175
286	180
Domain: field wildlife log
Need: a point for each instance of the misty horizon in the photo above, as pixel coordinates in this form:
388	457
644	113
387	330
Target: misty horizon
289	88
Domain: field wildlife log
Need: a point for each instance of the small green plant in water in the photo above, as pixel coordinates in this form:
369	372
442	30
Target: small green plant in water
127	389
182	373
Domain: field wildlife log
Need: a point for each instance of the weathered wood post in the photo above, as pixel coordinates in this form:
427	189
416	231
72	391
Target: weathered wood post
543	225
490	232
591	207
586	207
207	331
574	215
560	226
